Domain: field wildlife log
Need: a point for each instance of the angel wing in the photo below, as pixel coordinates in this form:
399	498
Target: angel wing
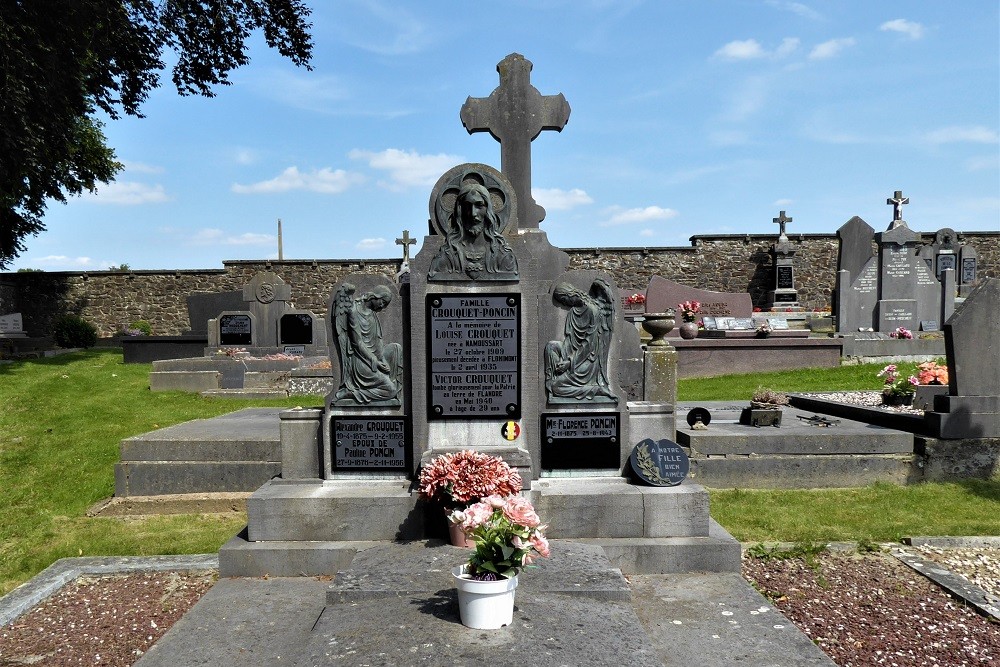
601	292
343	302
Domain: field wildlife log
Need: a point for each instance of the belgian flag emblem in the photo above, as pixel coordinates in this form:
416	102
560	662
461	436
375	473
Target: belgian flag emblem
511	430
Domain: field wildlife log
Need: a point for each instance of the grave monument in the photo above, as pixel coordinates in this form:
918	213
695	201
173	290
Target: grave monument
493	345
895	288
784	295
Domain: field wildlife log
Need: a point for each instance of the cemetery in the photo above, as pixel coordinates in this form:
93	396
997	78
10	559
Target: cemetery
492	339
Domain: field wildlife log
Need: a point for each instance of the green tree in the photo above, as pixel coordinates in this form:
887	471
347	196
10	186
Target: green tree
63	61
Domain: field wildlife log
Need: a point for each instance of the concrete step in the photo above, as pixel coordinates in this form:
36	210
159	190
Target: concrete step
178	503
184	380
157	478
246	393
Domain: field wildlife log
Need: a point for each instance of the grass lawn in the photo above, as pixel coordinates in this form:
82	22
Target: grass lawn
61	420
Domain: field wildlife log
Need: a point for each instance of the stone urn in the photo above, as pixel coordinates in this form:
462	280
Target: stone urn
658	325
688	330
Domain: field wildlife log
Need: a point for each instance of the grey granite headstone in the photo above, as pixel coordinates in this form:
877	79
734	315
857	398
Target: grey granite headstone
971	342
908	290
205	306
855	246
12	326
266	297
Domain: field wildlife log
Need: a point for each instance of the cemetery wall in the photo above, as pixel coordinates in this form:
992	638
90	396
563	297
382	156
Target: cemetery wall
727	263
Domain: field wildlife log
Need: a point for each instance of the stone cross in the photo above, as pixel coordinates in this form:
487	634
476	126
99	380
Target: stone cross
897	200
406	241
781	221
514	114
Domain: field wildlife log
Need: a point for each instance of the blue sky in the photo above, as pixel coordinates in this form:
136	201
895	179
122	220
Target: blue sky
688	117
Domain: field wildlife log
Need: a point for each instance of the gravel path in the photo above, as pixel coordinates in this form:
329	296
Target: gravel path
861	609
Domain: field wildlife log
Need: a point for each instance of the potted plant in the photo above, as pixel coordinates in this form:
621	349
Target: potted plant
508	536
933	380
896	389
689	313
765	408
458	480
764	329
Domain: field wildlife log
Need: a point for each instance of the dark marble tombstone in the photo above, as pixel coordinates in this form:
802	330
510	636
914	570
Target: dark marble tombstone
236	329
295	329
908	291
784	294
266	297
857	277
205	306
968	270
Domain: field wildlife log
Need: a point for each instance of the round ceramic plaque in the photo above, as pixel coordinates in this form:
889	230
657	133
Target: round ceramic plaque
662	463
699	415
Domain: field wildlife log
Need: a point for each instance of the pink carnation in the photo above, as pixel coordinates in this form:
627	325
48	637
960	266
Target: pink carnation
519	510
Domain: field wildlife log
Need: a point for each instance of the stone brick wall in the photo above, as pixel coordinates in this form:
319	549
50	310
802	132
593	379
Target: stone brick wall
730	263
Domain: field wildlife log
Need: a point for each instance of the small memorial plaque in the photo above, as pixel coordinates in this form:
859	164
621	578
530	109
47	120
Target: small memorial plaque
929	325
577	440
235	330
945	261
295	350
295	329
742	324
724	323
778	323
785	297
709	322
473	356
662	463
369	443
968	270
699	415
784	278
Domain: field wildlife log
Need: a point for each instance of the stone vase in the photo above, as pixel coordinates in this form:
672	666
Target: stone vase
484	605
688	330
658	325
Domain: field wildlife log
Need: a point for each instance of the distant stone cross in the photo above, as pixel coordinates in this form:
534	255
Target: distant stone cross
515	113
781	221
406	242
897	200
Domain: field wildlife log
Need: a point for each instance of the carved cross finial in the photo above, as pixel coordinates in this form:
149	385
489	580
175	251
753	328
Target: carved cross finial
406	241
781	221
514	114
897	200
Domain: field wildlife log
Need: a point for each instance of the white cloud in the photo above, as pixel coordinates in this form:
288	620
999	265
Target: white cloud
128	193
831	48
908	28
210	236
310	91
554	199
407	169
325	181
797	8
620	216
142	167
783	202
747	49
371	244
982	163
383	29
751	49
646	233
245	156
976	134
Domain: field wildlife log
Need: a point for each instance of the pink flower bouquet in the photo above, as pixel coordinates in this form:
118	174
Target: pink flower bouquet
508	536
458	480
689	310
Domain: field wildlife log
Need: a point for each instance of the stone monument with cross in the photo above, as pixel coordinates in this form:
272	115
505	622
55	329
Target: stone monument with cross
403	275
894	288
784	296
515	113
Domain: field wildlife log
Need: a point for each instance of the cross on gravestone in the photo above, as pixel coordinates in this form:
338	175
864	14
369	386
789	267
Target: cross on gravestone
514	114
406	241
896	201
781	221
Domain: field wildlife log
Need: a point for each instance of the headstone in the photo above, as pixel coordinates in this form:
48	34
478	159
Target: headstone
855	244
971	409
663	293
236	329
266	296
514	114
12	326
968	270
205	306
784	294
301	332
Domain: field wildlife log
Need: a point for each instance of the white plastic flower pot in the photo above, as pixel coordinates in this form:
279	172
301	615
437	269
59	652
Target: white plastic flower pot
484	605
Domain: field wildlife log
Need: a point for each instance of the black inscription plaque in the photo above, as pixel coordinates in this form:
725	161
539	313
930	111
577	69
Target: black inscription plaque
662	463
295	329
235	330
369	443
784	278
578	440
786	297
473	356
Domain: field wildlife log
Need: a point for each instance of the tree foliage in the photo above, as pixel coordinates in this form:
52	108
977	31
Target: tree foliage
62	61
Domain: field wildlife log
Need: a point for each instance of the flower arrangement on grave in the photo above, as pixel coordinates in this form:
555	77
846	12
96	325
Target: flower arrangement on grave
637	299
508	535
689	310
895	386
461	479
901	333
764	397
764	329
931	372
